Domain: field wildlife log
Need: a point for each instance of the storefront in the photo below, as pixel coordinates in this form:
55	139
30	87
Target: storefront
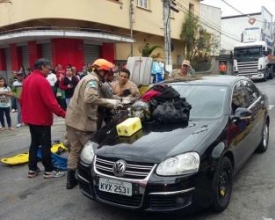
64	47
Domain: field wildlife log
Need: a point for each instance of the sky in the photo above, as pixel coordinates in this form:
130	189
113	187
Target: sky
244	6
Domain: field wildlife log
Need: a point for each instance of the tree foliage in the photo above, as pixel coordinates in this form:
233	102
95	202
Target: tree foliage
147	49
197	42
188	34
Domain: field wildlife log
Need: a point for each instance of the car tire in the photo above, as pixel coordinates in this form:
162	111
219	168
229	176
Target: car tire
265	139
222	185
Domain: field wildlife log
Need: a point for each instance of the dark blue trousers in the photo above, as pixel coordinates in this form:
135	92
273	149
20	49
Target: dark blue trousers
5	112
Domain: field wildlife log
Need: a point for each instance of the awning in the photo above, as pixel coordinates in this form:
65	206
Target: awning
24	35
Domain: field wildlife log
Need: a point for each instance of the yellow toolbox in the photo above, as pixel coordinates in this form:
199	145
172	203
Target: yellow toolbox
129	127
131	139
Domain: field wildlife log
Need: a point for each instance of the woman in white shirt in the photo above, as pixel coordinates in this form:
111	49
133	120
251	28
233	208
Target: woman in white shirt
5	104
51	77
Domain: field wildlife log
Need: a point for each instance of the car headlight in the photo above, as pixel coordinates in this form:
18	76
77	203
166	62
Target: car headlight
181	164
87	153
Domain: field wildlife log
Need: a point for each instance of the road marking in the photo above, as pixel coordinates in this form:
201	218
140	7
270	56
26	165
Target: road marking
270	107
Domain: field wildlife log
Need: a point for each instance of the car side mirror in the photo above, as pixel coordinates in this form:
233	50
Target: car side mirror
241	114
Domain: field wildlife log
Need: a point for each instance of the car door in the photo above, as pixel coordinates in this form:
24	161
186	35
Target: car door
240	129
257	106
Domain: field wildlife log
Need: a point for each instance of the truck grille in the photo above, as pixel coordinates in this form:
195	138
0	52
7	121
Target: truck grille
247	68
134	170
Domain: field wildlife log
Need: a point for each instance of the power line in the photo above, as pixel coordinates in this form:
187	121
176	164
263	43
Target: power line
242	12
232	7
223	32
206	23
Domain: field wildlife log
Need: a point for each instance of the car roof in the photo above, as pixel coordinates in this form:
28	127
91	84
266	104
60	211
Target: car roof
219	80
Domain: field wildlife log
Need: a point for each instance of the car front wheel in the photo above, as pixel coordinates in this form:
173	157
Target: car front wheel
265	139
222	185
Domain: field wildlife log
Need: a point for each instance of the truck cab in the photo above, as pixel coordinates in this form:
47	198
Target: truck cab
251	59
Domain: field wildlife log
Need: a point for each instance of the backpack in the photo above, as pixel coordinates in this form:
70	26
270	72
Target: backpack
172	111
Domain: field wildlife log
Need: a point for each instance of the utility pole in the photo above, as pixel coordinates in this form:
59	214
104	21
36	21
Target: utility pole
167	35
131	25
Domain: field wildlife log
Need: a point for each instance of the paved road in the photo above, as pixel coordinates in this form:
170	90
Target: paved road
12	142
253	196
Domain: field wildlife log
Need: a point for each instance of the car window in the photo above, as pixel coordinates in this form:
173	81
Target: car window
207	101
239	97
252	91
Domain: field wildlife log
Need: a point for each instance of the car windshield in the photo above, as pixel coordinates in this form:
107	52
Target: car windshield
207	101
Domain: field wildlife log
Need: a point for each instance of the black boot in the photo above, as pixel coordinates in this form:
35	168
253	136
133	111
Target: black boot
71	180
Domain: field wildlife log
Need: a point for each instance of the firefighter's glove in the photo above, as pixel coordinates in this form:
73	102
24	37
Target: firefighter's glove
126	100
115	103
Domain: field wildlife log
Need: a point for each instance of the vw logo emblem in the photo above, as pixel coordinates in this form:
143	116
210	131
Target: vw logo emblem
119	168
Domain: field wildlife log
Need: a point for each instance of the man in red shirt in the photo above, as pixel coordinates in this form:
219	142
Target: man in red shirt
38	105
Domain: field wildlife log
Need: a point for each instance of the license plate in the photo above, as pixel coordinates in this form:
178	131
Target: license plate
115	186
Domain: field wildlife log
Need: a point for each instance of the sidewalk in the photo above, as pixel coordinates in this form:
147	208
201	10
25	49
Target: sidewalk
18	140
57	120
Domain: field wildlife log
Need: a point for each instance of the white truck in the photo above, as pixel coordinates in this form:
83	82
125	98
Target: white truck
254	60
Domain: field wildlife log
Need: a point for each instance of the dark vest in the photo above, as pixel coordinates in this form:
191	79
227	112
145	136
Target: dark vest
69	92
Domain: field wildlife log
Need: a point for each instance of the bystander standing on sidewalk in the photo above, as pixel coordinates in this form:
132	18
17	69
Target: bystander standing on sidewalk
17	89
60	94
5	104
68	84
84	71
38	105
12	79
52	80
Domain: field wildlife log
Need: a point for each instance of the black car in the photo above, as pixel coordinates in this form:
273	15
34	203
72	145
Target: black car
181	167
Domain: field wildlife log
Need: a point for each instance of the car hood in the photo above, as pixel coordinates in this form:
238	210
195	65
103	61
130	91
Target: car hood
157	142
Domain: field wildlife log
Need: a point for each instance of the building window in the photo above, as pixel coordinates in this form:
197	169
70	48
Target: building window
143	4
191	8
172	14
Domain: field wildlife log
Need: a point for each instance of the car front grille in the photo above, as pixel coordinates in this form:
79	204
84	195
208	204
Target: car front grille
134	170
